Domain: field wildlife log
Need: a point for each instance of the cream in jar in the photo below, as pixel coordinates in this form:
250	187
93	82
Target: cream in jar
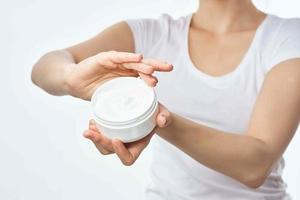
125	108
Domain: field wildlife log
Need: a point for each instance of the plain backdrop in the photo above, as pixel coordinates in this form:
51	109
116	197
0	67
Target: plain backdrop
42	152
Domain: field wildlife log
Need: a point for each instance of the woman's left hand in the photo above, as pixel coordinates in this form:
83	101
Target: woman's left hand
127	152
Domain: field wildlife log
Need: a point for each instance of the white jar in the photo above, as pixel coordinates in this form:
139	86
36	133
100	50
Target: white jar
125	108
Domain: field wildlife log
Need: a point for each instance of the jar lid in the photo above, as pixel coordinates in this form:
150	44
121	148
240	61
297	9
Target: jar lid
122	101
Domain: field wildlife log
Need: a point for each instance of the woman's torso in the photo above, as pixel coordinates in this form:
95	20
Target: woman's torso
224	102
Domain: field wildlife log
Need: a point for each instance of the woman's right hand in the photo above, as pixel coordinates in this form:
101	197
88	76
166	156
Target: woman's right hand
83	78
127	152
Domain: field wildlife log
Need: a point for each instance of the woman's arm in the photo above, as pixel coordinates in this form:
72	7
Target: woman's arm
51	71
247	158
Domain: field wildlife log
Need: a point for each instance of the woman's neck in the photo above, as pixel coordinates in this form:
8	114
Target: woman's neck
221	16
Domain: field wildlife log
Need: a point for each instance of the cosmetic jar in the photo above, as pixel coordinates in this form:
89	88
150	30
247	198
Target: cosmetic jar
125	108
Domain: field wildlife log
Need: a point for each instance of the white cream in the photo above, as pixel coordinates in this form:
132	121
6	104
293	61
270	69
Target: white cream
125	108
124	100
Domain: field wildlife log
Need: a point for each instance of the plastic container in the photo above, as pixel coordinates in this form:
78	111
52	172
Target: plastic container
125	108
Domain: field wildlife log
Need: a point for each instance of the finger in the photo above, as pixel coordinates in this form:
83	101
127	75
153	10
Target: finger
92	121
92	125
123	57
99	139
163	118
93	128
158	65
149	79
124	155
92	135
136	148
100	148
140	67
161	121
112	59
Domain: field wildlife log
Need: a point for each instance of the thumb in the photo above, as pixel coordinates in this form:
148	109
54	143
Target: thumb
163	118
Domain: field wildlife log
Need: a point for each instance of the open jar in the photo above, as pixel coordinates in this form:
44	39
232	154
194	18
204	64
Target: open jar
125	108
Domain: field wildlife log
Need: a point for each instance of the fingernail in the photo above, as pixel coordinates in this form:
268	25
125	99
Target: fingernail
140	56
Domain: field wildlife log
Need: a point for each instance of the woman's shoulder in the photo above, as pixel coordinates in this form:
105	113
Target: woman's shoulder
164	21
150	32
284	27
288	22
174	21
280	40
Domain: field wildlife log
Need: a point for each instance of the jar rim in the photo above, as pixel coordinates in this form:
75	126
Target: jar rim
129	122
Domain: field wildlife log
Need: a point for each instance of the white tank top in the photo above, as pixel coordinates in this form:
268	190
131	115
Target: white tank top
223	102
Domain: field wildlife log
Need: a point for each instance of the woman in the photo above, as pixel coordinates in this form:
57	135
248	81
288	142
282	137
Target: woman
229	106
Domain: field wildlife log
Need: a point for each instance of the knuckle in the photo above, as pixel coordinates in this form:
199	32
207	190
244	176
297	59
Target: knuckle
97	140
127	162
104	152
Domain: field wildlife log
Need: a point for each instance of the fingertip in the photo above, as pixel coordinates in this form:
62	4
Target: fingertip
91	122
155	78
93	127
86	134
140	56
137	57
153	82
161	120
167	68
93	135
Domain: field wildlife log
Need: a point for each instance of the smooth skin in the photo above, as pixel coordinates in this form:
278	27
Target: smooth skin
226	24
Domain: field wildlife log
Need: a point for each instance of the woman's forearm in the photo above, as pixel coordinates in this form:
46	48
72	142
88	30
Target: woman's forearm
51	70
241	157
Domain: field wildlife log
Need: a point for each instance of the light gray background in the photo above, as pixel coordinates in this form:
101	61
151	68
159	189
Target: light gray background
42	152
